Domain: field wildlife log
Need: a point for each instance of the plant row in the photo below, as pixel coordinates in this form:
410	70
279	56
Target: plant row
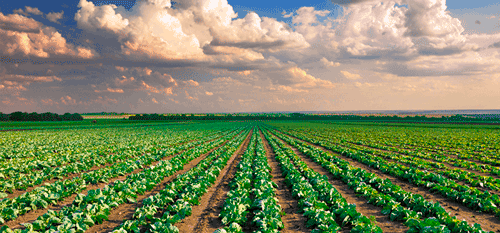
159	212
395	198
323	206
83	163
252	194
41	197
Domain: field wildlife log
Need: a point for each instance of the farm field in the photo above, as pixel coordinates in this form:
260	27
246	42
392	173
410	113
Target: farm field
255	176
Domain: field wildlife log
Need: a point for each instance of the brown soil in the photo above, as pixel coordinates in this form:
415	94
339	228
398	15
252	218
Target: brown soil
362	205
31	216
293	221
126	211
487	221
205	217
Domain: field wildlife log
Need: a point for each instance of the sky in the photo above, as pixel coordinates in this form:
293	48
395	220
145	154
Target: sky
205	56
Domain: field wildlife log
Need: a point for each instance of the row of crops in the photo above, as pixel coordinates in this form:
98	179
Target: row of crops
75	180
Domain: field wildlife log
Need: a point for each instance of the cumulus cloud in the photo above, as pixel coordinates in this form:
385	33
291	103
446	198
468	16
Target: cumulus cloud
67	100
19	23
55	16
28	10
117	90
261	34
350	2
93	17
326	63
22	36
399	29
350	76
195	30
304	80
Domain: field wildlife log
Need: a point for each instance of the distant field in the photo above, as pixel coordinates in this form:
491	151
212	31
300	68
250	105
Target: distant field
106	116
86	123
142	176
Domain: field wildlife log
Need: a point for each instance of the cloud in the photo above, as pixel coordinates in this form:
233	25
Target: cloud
19	23
350	76
157	90
115	90
466	63
193	31
350	2
326	63
25	37
55	16
208	93
191	83
495	45
93	17
67	100
477	22
302	79
27	79
28	10
154	100
260	34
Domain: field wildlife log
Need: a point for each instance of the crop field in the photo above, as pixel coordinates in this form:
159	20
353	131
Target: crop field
262	176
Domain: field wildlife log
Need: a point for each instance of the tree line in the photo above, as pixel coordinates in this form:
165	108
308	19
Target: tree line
34	116
301	116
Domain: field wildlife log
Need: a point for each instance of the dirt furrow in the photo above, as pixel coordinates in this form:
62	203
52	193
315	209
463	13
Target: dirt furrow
362	205
33	215
487	221
293	221
205	217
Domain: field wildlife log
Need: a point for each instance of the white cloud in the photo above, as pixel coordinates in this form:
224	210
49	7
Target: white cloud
28	10
93	17
55	16
350	76
326	63
21	36
304	80
18	23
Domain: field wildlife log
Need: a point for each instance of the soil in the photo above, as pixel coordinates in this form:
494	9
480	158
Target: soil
362	205
293	221
205	217
487	221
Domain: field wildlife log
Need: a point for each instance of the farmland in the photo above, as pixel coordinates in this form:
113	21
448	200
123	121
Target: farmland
249	176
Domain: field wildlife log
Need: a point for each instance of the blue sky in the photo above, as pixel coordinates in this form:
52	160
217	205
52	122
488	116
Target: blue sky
195	56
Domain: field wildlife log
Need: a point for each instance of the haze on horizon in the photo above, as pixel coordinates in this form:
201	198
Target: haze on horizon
261	56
